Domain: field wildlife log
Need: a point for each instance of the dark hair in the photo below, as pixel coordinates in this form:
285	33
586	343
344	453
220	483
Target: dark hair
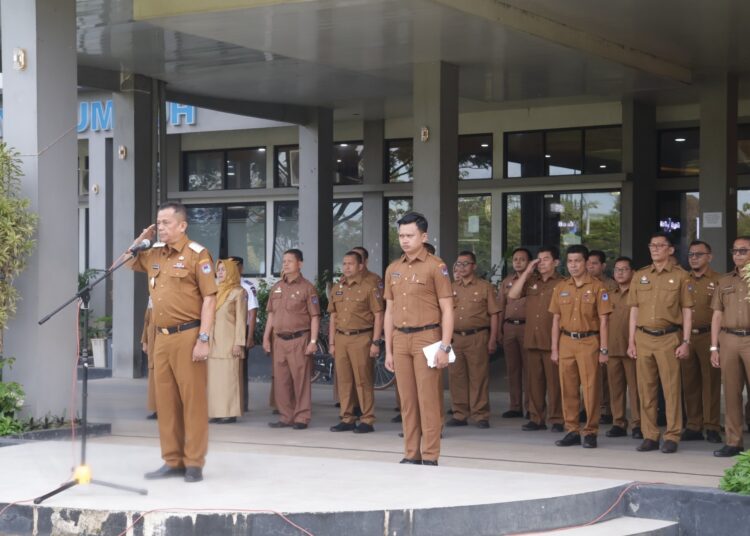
413	217
578	248
239	260
178	208
518	250
552	250
663	235
598	253
467	253
700	243
430	248
296	252
354	254
362	251
625	259
746	238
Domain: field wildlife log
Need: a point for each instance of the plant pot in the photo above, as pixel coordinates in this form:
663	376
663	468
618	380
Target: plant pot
99	351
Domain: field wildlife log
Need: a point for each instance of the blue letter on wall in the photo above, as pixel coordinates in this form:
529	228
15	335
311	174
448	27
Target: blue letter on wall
83	117
101	116
178	111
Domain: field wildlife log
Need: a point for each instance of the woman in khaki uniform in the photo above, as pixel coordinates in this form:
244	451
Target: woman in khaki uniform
227	346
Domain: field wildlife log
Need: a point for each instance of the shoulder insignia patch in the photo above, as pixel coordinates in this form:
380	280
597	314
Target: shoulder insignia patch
380	284
605	296
206	268
314	300
195	246
444	270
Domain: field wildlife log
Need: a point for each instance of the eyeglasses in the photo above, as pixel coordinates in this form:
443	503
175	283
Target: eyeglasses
622	270
740	251
697	254
463	264
658	246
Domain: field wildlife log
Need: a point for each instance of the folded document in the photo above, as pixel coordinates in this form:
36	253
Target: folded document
430	353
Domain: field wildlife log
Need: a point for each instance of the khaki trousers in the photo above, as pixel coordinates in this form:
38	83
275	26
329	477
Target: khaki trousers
515	356
623	379
656	362
734	356
580	371
701	386
469	377
544	387
355	370
181	400
151	401
292	386
421	392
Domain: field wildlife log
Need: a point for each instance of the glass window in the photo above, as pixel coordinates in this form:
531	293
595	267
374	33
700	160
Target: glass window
400	155
679	152
349	163
563	152
603	150
525	154
246	168
475	228
286	169
204	170
246	236
743	149
475	156
347	228
204	226
83	167
286	230
397	207
678	215
743	212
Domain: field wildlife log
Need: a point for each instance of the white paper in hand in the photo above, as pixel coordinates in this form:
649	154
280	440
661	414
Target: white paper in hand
430	352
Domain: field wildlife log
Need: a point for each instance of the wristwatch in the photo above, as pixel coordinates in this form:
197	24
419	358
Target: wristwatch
203	336
713	349
446	348
604	351
377	342
686	341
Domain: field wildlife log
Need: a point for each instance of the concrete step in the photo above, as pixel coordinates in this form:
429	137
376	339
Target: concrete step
623	526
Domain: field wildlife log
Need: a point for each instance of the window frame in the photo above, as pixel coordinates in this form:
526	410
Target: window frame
224	168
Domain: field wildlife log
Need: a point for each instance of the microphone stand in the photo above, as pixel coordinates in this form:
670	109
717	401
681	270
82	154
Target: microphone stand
82	473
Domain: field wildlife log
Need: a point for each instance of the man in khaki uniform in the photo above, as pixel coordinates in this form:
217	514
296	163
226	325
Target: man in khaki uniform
621	368
510	333
291	338
701	383
356	322
418	313
580	306
474	340
659	336
543	375
730	344
183	293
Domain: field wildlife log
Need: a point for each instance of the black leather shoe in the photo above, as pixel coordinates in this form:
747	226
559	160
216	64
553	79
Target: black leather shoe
193	474
712	436
531	426
727	452
455	422
213	420
589	441
226	420
648	445
411	462
605	419
483	424
692	435
279	424
557	427
636	433
299	426
152	417
669	447
429	462
343	427
397	418
616	431
363	428
165	471
570	439
512	414
400	434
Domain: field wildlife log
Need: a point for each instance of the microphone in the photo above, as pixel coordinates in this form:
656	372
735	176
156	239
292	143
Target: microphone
145	244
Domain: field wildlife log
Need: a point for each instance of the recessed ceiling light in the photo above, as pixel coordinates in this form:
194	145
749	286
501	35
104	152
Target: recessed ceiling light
262	149
485	145
547	156
679	140
603	166
339	160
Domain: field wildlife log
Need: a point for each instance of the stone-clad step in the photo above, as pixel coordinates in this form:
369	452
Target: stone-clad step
624	526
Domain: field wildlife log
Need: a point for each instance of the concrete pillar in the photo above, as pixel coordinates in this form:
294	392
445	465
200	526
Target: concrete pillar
100	217
372	202
134	192
638	198
39	107
718	161
316	192
435	104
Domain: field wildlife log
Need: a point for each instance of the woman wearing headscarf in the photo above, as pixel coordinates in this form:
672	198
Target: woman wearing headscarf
227	345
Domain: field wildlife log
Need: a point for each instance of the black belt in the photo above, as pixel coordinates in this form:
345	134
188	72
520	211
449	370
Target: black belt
698	331
579	334
515	322
182	327
738	332
418	329
471	331
353	331
293	335
659	332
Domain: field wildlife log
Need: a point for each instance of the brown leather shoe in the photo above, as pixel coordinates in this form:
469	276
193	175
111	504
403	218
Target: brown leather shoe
669	447
648	445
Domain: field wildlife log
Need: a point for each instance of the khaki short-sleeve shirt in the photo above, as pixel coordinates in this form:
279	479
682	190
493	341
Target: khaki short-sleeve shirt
660	296
510	309
293	304
355	301
704	288
475	304
579	307
619	323
730	297
538	332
